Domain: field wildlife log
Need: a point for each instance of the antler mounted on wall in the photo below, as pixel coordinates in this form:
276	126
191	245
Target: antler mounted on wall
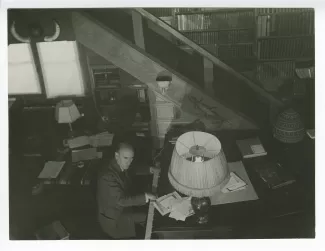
36	31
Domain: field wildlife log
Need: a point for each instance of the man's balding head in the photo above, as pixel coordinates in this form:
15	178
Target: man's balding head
124	155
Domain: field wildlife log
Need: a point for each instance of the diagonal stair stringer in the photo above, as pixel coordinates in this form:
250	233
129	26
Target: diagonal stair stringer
190	100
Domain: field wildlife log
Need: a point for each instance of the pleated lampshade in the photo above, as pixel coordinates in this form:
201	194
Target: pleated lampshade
66	112
198	166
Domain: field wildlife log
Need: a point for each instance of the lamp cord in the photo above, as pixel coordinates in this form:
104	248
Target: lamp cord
158	154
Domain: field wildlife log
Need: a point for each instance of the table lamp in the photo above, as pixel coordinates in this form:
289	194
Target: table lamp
198	169
66	112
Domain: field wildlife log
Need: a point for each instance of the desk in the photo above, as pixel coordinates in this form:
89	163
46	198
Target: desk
287	212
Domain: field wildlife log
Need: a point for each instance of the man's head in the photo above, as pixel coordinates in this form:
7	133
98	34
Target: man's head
124	155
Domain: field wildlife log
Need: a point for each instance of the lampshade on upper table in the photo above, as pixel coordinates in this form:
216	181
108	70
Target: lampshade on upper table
66	112
198	166
288	127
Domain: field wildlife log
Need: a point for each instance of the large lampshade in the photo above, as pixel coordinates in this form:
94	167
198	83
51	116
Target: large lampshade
66	112
198	166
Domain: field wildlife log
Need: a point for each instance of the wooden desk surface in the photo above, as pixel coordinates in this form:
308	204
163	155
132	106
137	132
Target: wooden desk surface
284	212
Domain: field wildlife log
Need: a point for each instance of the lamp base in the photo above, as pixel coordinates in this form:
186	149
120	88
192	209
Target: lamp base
201	207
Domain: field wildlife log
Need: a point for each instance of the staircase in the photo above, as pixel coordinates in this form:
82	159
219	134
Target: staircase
203	87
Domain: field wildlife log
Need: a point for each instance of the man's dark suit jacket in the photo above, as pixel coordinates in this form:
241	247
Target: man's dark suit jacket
115	201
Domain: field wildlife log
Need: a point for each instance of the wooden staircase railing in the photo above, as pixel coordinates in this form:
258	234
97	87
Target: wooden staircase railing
208	57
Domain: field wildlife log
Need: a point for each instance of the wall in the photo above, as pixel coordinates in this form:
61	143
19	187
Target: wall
24	18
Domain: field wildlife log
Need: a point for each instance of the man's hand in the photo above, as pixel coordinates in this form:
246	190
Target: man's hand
150	196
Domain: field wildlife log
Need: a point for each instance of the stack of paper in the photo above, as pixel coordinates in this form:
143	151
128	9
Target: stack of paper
101	139
235	184
51	169
182	209
178	207
78	142
97	140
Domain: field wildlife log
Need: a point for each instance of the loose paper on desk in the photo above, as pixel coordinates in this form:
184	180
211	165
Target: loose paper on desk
178	207
235	184
51	169
182	209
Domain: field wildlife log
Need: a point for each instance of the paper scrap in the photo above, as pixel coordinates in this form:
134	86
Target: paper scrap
166	200
177	216
169	203
235	183
183	206
51	169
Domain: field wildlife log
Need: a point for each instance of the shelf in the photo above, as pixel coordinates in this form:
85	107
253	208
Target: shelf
107	105
285	37
221	10
214	30
285	59
103	67
286	13
186	47
98	88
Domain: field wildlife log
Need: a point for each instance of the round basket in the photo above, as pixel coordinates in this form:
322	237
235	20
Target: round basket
288	127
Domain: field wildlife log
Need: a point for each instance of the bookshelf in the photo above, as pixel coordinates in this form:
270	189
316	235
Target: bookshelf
106	84
284	37
117	95
227	33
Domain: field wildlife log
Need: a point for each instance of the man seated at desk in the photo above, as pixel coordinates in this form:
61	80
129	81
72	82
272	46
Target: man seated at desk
115	200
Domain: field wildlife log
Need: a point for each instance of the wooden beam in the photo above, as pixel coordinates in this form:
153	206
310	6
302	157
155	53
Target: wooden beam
139	64
138	29
208	75
38	66
209	56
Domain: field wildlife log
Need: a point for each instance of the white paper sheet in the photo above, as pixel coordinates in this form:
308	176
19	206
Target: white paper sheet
51	169
243	195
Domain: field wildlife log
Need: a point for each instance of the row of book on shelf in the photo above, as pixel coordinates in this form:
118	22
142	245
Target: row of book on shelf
286	48
230	51
275	70
222	36
301	23
280	10
107	77
235	51
164	12
216	20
